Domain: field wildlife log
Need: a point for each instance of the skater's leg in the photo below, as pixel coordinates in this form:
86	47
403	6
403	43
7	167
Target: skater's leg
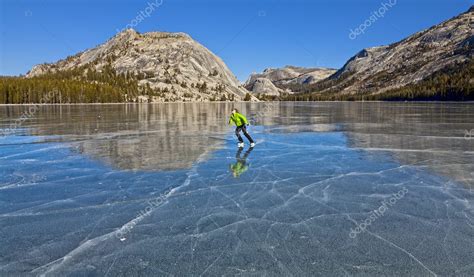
237	155
237	133
244	130
247	153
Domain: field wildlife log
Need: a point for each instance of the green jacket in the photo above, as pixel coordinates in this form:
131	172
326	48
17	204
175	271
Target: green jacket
238	119
238	169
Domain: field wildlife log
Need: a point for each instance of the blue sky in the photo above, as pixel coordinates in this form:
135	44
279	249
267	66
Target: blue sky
248	35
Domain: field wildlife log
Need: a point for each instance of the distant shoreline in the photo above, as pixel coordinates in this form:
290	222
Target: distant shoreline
237	102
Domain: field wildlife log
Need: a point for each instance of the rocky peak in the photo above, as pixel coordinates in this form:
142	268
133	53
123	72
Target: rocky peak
127	33
281	78
173	65
378	69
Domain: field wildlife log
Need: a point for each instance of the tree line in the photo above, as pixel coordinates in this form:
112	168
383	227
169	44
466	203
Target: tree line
83	84
453	83
87	85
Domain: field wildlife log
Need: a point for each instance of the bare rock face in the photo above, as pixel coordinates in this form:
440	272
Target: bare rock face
282	77
264	86
172	63
378	69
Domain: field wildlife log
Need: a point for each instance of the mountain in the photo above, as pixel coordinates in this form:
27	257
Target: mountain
439	58
157	66
434	64
274	81
263	86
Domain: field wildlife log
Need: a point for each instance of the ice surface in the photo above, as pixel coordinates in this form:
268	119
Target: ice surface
128	190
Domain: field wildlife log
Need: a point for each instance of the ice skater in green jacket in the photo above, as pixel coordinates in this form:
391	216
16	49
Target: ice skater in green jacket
241	124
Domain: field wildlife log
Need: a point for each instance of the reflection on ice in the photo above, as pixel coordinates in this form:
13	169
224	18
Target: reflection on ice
240	166
150	193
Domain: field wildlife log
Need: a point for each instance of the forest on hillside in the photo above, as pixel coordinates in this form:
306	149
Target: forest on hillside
87	85
453	83
80	85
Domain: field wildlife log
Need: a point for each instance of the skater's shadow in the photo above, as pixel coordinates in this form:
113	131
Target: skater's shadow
240	166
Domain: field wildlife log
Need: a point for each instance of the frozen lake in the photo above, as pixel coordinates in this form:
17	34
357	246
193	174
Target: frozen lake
330	189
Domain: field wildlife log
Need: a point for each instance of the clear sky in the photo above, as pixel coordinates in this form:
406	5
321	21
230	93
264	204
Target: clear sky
249	35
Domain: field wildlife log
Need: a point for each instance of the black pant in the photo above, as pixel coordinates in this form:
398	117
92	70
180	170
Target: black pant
242	128
242	160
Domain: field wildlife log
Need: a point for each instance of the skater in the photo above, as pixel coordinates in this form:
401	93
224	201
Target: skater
241	124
